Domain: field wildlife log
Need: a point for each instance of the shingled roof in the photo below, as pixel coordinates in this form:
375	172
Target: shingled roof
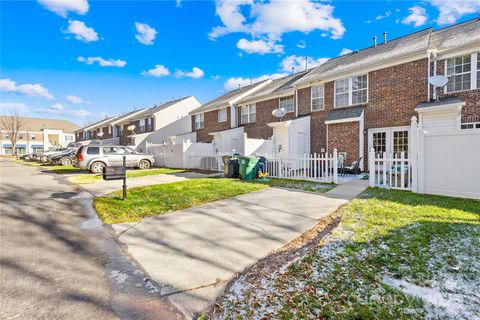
39	124
151	111
457	35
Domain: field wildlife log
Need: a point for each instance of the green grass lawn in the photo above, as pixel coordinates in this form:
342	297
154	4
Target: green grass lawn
158	199
395	255
92	178
299	184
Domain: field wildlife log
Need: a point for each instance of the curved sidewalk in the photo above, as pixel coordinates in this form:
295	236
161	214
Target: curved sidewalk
193	253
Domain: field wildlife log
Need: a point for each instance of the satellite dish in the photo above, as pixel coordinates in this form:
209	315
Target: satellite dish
131	127
438	81
100	134
278	113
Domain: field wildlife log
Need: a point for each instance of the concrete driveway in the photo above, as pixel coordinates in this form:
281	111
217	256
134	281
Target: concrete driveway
193	253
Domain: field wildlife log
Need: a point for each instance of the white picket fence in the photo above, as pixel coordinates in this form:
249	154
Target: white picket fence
392	171
315	167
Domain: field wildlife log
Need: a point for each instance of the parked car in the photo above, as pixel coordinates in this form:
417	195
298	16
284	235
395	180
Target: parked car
95	157
64	158
32	156
52	152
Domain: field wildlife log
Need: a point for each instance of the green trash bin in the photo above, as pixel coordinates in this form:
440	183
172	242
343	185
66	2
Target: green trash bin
248	167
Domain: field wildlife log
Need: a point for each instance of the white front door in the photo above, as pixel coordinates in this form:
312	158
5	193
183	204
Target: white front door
391	140
301	143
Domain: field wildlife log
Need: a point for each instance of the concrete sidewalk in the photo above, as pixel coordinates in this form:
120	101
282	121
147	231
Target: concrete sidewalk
102	187
193	253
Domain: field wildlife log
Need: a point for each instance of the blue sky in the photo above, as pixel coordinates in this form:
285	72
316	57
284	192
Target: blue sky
79	59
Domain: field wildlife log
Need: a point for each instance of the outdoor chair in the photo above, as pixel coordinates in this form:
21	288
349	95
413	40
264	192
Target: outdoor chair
354	168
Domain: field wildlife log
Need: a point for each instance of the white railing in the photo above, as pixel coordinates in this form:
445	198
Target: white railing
205	162
392	171
315	167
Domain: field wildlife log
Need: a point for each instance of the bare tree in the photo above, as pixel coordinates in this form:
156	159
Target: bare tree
12	125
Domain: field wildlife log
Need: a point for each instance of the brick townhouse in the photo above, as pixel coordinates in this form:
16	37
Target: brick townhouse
367	98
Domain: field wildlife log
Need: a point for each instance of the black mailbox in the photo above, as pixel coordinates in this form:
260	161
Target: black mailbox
114	173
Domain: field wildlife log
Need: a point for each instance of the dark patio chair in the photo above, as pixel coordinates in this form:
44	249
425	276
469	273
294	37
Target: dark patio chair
354	168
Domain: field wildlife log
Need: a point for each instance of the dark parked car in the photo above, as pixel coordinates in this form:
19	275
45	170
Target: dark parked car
65	158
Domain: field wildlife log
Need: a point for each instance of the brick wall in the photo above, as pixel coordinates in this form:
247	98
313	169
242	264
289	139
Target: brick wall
260	128
106	135
304	101
471	97
345	138
211	124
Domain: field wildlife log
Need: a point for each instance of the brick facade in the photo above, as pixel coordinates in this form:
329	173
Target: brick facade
211	124
344	137
260	128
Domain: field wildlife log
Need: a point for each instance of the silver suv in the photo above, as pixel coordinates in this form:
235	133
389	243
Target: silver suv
95	157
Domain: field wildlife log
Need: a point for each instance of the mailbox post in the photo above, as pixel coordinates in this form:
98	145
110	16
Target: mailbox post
117	173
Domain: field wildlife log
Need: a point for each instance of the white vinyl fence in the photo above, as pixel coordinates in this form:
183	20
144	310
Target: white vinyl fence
390	171
315	167
439	162
205	162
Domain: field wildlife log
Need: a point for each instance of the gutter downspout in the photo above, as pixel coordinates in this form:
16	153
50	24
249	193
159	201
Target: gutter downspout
296	103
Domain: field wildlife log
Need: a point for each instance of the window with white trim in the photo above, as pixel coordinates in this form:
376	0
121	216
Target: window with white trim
470	125
287	103
459	73
199	121
351	91
318	98
248	114
222	115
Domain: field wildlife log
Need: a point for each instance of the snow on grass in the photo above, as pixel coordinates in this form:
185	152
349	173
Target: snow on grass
395	255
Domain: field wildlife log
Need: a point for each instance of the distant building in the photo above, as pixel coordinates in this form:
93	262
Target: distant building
39	134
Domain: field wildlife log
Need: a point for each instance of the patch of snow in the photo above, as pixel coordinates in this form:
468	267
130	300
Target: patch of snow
119	276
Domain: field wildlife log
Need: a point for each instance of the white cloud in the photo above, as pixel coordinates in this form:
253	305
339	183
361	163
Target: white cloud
102	62
234	83
59	110
302	44
383	16
259	46
298	63
76	99
275	18
13	107
63	7
57	107
418	16
345	51
27	89
81	31
146	34
451	11
195	73
158	71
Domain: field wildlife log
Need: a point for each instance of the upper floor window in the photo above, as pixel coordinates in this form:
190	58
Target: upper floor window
287	103
459	73
351	91
249	113
141	124
199	121
33	137
222	115
68	138
317	98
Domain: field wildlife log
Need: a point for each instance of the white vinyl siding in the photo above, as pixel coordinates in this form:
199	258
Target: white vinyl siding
463	72
222	115
248	114
287	103
199	121
318	98
351	91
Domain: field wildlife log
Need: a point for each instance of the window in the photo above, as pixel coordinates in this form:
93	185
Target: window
222	115
199	121
351	91
249	113
400	142
93	150
20	136
459	73
148	125
317	98
141	125
33	137
7	136
470	125
379	142
68	138
287	103
109	150
478	70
